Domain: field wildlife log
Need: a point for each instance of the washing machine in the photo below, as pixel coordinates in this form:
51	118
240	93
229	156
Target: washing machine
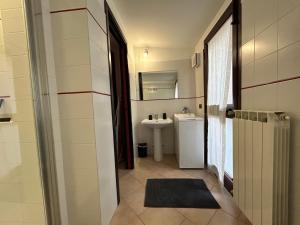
189	140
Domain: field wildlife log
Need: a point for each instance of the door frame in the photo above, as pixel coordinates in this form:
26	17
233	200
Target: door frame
113	27
234	10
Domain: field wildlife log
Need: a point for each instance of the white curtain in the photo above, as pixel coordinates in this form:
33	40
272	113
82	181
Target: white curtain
219	94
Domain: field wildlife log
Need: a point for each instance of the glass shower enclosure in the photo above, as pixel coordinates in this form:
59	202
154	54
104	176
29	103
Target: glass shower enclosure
28	182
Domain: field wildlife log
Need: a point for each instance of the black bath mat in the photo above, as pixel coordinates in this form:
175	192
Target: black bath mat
179	193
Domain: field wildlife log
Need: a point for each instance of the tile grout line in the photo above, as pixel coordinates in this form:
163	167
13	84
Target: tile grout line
212	217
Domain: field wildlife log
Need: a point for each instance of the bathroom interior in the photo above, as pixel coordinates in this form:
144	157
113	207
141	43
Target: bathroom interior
109	108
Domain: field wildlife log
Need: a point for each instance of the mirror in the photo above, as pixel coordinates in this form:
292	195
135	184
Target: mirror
158	85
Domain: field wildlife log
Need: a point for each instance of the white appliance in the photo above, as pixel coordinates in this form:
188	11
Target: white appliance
189	140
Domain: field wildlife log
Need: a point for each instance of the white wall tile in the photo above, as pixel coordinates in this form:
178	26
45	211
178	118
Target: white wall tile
248	52
20	66
6	86
10	192
266	42
72	52
24	110
83	196
101	79
27	132
265	14
248	20
13	20
247	98
74	78
265	97
33	213
288	96
289	28
15	43
80	156
10	4
10	212
286	6
96	7
78	131
99	57
71	24
105	156
21	88
266	69
66	4
248	74
289	61
77	106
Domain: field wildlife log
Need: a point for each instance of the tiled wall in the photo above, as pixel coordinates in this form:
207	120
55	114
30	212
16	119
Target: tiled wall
21	197
81	58
271	71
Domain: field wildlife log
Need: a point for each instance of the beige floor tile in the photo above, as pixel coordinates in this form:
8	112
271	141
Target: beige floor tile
123	172
136	201
128	185
222	218
132	188
226	202
198	216
144	174
125	216
161	216
244	219
211	179
187	222
175	173
197	173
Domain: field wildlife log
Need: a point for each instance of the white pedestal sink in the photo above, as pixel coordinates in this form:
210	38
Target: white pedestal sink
157	125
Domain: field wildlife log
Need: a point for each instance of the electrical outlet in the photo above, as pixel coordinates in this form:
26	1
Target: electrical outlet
200	106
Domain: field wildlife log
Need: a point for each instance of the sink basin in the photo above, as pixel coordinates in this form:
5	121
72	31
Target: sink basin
160	123
185	115
157	125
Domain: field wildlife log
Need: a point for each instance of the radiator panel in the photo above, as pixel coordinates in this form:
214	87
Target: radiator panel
261	162
257	172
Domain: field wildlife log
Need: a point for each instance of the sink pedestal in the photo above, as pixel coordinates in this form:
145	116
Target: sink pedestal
158	156
157	125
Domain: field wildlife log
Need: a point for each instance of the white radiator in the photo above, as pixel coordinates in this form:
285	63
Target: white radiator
261	162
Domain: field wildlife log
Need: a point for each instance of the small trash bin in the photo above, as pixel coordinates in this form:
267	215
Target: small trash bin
142	150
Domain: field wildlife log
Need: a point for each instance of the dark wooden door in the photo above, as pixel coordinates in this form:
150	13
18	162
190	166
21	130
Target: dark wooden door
118	99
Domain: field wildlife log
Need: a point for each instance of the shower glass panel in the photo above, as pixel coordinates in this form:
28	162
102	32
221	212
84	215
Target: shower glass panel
21	184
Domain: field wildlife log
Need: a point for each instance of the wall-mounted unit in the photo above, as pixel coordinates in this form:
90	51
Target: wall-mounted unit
196	59
261	166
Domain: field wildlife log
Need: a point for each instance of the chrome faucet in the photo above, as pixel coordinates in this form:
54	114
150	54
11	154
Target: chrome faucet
185	110
156	116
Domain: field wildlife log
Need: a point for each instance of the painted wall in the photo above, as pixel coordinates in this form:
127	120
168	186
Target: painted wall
160	59
82	74
270	70
21	194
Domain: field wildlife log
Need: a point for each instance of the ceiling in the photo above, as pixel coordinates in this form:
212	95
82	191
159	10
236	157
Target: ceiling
166	23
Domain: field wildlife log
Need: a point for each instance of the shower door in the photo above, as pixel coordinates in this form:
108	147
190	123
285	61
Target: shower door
28	193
